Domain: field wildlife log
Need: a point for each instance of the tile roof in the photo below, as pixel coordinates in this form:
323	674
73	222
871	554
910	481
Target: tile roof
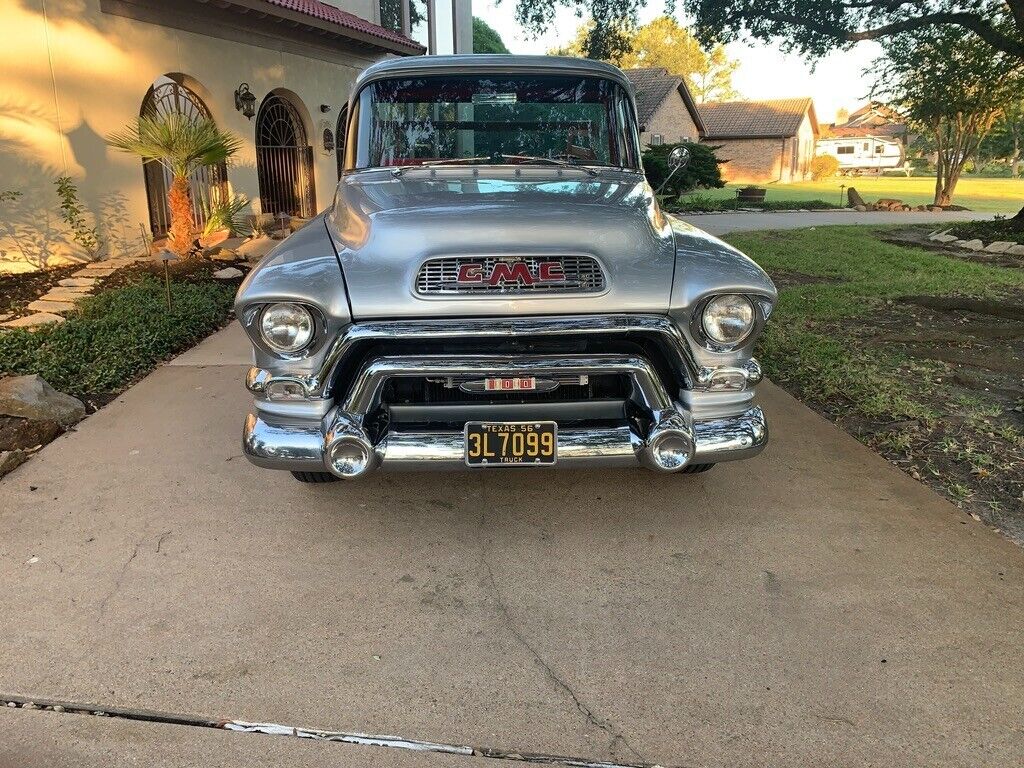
333	15
652	86
753	119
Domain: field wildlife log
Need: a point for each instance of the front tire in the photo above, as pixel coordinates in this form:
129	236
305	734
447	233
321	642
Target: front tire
695	469
315	477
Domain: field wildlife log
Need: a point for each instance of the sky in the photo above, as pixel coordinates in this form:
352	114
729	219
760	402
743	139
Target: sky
764	71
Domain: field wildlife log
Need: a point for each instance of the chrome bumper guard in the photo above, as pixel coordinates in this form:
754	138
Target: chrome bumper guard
340	443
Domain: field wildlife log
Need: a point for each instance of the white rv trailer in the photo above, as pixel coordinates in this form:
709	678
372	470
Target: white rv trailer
864	154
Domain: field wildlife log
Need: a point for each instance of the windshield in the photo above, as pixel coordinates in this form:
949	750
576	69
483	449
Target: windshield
495	118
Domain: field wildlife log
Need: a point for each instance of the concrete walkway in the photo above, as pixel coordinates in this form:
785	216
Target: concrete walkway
813	606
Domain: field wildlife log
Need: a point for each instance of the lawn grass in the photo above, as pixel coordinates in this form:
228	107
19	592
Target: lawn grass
990	195
841	339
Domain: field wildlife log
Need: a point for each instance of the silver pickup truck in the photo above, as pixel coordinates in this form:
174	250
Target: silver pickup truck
496	285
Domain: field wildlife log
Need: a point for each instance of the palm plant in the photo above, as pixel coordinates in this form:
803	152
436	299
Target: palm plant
182	144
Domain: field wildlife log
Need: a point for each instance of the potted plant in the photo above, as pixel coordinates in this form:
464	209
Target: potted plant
183	145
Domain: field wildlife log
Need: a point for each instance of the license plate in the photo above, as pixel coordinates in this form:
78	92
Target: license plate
497	443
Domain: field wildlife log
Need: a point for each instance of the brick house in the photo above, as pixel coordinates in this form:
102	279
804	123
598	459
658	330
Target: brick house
278	73
763	141
665	108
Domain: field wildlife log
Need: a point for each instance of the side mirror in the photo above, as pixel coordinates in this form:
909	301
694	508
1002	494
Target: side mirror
678	159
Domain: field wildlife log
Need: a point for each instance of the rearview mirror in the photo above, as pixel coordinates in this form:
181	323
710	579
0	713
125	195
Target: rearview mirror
678	159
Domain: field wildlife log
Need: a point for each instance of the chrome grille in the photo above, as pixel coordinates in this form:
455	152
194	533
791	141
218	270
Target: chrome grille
582	274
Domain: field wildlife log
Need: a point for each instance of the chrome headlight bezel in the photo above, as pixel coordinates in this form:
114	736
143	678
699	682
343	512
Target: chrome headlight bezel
700	332
311	331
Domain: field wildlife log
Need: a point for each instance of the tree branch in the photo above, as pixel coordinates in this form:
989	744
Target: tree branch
981	27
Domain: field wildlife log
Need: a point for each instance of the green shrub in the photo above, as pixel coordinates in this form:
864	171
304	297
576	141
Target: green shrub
117	336
698	203
823	167
702	171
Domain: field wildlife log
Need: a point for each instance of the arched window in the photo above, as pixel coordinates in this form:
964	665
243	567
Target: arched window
167	95
284	160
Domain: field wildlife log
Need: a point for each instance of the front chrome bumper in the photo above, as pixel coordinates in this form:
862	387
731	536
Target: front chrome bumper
339	442
274	443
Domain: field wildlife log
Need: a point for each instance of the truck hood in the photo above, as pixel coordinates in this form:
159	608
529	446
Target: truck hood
384	227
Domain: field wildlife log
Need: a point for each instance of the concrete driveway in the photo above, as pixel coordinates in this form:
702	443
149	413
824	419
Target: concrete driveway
813	606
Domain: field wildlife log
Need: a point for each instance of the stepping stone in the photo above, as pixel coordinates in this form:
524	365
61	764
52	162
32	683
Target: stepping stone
77	282
972	245
998	246
94	272
228	273
54	307
61	293
34	321
225	254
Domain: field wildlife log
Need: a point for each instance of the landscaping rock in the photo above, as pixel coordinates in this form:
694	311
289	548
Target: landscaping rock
998	246
1016	250
30	397
10	460
228	273
935	209
77	282
860	208
23	434
225	254
973	245
944	238
255	249
34	321
53	307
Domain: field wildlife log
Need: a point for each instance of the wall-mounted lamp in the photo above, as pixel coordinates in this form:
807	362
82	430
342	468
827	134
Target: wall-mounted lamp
245	100
325	108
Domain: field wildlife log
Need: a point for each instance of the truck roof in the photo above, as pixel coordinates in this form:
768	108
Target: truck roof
492	63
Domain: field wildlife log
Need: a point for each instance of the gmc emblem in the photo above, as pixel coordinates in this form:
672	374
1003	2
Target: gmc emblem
511	272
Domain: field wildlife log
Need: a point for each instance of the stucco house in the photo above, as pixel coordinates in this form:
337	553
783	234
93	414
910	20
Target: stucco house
665	108
763	141
74	72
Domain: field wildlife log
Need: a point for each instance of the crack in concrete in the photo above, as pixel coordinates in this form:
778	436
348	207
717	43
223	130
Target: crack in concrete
120	577
277	729
603	724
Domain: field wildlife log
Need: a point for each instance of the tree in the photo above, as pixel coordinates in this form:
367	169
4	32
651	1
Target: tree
952	87
1006	141
183	145
665	43
485	39
816	27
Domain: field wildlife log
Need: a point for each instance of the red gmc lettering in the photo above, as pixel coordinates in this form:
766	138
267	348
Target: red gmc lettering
471	273
510	273
551	272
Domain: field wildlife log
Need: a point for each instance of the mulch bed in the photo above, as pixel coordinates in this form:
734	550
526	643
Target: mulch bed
17	291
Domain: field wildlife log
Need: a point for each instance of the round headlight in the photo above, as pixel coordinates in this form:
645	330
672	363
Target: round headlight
728	319
286	327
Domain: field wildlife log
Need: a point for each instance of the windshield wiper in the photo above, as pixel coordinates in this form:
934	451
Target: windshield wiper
435	163
549	160
496	157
